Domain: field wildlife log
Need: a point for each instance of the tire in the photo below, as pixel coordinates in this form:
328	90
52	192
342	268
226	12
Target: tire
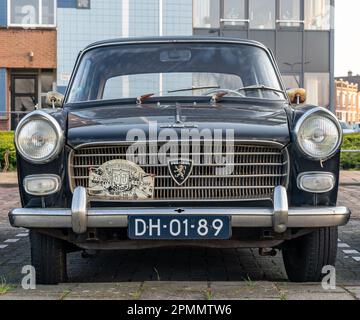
305	257
48	257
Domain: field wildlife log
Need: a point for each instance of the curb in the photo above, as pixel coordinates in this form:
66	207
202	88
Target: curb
9	185
349	184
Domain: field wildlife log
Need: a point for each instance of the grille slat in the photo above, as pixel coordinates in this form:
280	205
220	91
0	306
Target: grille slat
254	170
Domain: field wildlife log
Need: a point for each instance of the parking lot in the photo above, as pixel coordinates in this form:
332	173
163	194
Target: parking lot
193	273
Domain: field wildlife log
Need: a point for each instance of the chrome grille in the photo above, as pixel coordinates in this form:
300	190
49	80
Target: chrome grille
257	169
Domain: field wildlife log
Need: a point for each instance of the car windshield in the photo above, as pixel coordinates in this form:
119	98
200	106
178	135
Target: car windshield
174	69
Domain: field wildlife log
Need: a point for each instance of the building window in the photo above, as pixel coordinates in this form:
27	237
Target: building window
289	13
47	84
291	81
317	87
234	13
262	14
32	13
48	12
83	4
206	13
317	14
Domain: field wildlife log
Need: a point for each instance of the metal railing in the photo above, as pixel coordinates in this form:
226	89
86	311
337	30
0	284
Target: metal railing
13	116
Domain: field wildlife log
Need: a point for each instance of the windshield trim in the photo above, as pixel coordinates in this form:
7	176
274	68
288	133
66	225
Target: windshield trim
127	42
174	99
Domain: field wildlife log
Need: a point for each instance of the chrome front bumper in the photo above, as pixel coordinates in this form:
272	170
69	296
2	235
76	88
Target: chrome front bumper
79	218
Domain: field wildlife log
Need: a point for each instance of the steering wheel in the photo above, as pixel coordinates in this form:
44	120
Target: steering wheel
224	90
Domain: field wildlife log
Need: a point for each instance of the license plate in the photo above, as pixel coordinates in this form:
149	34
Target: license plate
175	227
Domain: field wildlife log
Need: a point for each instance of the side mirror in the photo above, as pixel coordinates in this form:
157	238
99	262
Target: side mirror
54	99
297	96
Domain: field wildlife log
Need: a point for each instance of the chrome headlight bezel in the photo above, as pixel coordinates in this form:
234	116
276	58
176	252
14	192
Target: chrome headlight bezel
44	116
326	114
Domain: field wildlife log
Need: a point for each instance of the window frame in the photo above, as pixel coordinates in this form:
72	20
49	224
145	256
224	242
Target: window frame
276	4
216	27
38	25
83	8
306	18
320	80
244	22
296	77
300	22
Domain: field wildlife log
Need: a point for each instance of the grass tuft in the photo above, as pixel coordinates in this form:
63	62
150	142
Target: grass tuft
4	287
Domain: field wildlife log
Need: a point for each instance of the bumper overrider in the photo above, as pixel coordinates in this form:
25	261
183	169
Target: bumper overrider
80	217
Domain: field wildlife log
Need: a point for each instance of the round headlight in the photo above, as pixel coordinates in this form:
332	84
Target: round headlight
318	134
38	137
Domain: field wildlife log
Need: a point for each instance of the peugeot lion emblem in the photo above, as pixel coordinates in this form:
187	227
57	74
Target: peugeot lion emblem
180	170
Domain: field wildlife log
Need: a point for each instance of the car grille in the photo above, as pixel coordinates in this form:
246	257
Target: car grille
257	170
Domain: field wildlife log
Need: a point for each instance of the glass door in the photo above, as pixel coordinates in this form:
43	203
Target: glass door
24	90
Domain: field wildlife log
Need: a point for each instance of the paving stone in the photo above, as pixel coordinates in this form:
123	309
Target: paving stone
244	290
293	291
355	291
105	291
174	290
221	268
41	292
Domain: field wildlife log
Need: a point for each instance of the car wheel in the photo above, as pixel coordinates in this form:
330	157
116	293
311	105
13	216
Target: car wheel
305	257
48	257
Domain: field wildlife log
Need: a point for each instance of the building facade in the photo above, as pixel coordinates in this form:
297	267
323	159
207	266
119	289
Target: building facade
27	56
347	98
299	32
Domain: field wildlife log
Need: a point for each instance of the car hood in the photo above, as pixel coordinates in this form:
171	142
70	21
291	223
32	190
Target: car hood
250	121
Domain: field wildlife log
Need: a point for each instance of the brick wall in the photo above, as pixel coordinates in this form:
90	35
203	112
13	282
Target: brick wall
4	125
17	43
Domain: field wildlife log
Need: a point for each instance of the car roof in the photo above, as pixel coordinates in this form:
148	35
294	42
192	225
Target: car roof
135	40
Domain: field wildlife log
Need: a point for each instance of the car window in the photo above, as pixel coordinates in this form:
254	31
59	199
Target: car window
123	71
140	83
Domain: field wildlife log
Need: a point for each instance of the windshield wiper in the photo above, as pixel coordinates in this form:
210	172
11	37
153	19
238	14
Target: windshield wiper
260	87
193	89
141	99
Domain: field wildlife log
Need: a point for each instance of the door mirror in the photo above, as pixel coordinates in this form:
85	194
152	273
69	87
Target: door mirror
54	99
297	96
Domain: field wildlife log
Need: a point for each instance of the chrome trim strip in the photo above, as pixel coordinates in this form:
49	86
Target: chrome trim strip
206	164
40	114
193	153
213	187
254	143
149	202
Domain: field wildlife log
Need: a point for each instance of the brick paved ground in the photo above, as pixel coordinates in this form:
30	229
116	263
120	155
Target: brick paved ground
182	272
350	177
